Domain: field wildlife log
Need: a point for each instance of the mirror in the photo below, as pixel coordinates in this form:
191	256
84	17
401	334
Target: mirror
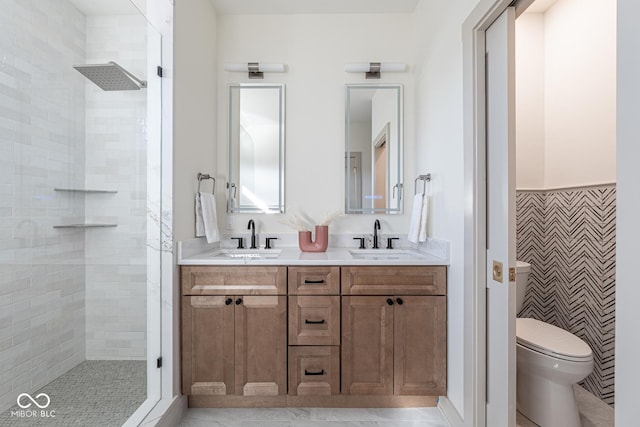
256	148
373	159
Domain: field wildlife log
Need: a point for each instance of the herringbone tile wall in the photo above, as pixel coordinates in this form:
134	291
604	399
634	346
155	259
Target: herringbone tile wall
568	237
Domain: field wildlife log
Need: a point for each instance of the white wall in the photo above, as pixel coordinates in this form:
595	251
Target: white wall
195	107
628	206
314	49
530	101
580	92
579	46
439	149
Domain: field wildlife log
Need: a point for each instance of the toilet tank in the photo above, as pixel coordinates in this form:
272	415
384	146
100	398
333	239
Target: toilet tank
522	280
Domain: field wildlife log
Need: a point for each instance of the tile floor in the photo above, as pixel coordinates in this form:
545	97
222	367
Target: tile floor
593	411
314	417
96	393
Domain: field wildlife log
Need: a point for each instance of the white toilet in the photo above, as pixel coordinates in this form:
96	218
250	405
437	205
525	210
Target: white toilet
549	361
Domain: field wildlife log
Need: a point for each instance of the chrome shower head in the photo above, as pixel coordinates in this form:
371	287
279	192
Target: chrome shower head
111	76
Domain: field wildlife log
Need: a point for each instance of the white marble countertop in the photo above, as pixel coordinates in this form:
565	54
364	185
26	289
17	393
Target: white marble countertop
198	252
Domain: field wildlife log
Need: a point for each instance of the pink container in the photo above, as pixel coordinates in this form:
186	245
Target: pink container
321	242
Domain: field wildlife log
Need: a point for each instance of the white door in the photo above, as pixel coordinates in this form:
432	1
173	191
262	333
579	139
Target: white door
500	140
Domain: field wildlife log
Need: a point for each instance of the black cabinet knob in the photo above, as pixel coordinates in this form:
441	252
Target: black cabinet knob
239	301
389	301
228	301
399	301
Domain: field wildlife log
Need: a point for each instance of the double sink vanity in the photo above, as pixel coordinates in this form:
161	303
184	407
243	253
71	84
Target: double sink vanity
343	328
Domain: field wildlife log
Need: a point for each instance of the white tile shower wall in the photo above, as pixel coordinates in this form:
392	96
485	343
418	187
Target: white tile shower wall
116	159
41	147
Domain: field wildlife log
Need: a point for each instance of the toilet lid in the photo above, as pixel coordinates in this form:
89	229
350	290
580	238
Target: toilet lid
551	340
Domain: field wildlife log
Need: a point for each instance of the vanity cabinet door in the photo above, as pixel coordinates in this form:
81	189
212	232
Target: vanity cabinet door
207	346
261	345
420	345
367	345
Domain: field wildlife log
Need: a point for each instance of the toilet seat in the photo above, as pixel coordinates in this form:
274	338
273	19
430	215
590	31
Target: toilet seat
552	341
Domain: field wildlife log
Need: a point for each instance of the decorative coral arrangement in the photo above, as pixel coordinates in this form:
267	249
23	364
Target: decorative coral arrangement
305	242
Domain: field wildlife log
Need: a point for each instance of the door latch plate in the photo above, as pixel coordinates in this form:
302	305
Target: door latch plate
497	271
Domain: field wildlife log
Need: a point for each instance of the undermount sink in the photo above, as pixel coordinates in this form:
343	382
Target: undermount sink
248	253
382	254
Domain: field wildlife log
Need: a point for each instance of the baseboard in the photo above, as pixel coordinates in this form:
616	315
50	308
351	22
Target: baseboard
167	413
449	412
335	401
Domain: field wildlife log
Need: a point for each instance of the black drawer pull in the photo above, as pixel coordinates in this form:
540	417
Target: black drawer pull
228	301
239	301
313	282
389	301
314	322
321	372
399	301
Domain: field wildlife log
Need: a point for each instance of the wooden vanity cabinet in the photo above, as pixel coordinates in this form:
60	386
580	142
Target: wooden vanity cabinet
393	344
234	344
351	336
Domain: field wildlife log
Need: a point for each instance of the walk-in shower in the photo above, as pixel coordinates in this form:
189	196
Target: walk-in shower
79	251
111	76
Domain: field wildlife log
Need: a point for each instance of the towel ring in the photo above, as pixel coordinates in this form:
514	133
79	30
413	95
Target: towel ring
203	176
424	178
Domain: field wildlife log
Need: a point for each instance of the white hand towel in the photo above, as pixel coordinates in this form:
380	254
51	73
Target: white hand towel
416	218
199	221
423	219
209	217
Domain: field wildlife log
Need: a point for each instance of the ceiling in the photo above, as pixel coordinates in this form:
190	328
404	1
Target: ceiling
540	6
277	7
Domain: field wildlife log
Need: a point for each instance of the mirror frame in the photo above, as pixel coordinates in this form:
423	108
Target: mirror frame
400	135
232	186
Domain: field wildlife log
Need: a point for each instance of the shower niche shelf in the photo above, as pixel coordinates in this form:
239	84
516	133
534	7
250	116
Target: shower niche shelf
85	226
85	190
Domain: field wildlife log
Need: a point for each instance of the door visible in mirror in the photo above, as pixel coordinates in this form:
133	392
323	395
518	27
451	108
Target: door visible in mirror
373	145
256	148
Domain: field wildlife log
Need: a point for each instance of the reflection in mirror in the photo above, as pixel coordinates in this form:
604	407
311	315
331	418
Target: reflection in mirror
373	173
256	148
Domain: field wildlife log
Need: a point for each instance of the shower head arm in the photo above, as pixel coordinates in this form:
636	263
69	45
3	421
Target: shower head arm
141	83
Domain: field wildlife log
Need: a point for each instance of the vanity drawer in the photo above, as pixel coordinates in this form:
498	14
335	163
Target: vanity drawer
314	371
390	280
314	320
254	280
314	280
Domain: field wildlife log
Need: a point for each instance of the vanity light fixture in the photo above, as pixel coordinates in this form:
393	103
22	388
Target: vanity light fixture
256	70
372	70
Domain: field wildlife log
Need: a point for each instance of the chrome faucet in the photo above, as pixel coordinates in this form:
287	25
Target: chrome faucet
376	227
252	226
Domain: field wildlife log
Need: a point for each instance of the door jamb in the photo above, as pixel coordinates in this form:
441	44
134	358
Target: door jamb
474	106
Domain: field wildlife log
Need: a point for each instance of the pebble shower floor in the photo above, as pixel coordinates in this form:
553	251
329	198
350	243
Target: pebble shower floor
98	393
